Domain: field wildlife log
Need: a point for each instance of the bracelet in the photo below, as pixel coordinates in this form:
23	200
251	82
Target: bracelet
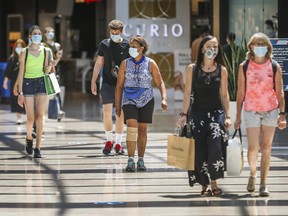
227	117
183	114
282	113
20	93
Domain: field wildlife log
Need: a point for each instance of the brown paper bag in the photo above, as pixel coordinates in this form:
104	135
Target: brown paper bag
181	152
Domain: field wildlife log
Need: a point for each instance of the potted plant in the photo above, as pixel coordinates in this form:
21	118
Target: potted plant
238	54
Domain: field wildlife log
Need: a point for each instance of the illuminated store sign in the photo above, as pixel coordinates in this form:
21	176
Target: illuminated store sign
153	30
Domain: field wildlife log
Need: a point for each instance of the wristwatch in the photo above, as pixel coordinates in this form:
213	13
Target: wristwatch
282	113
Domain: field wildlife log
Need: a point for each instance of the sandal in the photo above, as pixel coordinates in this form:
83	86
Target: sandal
251	184
206	192
216	192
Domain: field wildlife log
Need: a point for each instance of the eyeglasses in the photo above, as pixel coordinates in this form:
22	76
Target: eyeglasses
207	80
260	44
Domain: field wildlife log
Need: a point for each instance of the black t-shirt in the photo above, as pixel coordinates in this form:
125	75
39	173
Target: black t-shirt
120	51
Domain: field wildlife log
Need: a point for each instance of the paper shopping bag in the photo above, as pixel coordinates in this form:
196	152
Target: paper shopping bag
181	152
234	159
51	84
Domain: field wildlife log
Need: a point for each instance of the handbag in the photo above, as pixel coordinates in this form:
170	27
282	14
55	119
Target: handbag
54	108
133	92
234	151
51	84
181	152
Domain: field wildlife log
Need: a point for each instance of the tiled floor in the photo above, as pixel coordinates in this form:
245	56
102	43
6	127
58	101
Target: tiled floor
75	179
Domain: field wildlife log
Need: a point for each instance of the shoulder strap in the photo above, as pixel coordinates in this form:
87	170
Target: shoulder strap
44	49
274	68
245	67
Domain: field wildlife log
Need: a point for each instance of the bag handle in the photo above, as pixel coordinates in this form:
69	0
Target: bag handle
240	134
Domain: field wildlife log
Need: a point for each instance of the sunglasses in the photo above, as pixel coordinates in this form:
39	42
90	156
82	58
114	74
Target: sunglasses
207	80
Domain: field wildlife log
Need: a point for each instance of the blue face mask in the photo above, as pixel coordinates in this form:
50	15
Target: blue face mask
36	39
115	38
260	51
18	50
133	52
50	35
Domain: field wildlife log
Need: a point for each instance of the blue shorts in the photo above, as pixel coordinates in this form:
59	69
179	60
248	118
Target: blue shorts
34	86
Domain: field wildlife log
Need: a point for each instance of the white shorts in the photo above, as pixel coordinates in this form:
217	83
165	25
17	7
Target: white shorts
256	119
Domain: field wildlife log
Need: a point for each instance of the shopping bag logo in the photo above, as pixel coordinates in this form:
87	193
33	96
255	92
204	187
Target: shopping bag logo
51	84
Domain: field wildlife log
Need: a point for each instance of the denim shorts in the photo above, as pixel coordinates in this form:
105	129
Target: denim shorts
256	119
34	86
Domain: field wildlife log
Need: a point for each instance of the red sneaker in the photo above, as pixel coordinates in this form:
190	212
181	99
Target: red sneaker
119	149
108	147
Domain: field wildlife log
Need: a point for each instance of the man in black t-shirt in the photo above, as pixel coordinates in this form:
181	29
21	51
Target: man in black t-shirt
111	53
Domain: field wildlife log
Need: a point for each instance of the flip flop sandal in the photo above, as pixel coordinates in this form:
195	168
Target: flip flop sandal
217	191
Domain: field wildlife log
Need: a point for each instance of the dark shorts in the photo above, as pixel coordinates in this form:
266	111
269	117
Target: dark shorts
34	86
107	93
142	115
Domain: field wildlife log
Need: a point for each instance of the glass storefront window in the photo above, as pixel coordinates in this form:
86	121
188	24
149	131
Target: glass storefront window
248	17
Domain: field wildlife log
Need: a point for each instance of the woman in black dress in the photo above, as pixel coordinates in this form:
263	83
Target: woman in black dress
10	74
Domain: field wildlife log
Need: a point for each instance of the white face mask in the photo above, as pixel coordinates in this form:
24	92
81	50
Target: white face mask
36	39
260	51
211	53
50	35
133	52
18	50
115	38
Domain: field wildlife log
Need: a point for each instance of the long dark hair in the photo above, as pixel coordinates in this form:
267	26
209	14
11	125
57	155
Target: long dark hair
219	57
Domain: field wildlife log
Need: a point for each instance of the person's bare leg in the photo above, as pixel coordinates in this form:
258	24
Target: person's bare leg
119	126
29	107
265	148
142	139
40	110
253	148
107	117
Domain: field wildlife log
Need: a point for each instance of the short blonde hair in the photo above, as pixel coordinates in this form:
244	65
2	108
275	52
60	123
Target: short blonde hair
259	38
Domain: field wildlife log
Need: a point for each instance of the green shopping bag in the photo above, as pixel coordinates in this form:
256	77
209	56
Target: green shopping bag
51	84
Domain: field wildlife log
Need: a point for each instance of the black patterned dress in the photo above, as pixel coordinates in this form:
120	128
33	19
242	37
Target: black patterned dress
208	128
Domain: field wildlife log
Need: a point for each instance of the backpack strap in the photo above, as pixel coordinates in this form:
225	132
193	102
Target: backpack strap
45	50
274	68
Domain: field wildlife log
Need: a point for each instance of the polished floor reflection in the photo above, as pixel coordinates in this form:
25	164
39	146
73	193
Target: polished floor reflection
73	178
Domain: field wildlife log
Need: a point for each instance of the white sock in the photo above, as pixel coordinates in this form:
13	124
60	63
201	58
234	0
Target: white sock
108	135
118	138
